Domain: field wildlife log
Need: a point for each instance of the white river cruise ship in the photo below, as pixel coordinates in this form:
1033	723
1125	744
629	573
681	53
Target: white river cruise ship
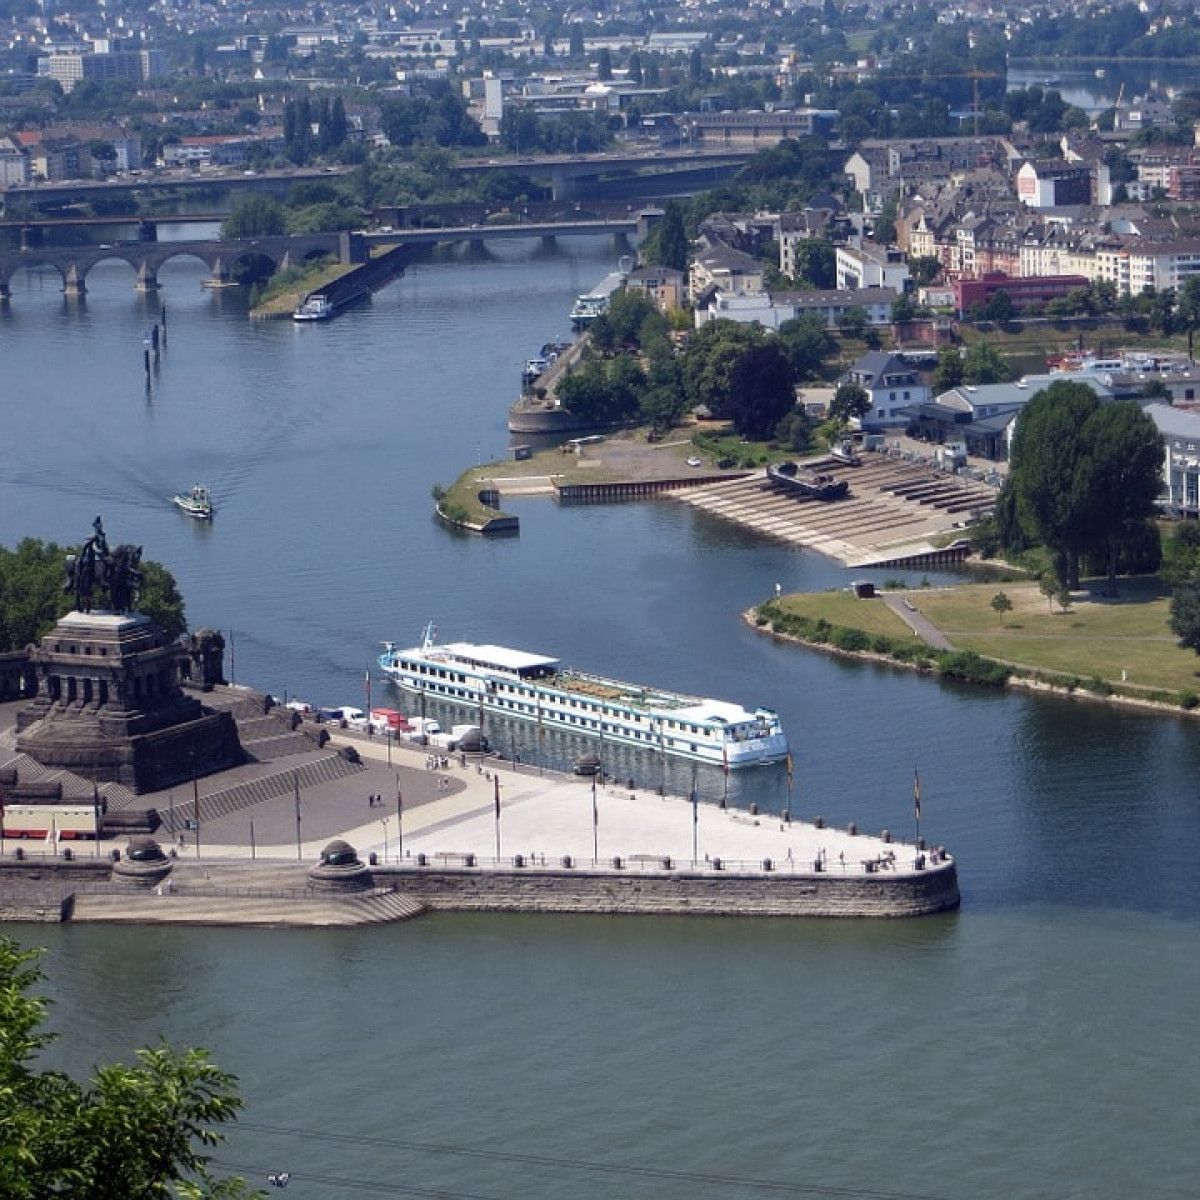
534	688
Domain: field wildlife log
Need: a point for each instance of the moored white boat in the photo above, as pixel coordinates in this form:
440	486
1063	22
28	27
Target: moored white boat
540	690
315	308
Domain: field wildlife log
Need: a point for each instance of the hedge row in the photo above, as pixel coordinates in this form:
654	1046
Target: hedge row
951	664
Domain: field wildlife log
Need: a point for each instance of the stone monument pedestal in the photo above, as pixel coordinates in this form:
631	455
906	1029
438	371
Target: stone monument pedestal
109	706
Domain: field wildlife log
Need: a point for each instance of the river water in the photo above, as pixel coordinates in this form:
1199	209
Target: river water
1036	1044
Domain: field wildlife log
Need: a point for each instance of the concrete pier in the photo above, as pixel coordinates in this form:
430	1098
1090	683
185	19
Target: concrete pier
556	846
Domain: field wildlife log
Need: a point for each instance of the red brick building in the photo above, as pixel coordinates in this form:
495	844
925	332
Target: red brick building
1022	290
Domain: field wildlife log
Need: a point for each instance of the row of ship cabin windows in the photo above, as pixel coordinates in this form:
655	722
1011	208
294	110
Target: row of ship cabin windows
567	702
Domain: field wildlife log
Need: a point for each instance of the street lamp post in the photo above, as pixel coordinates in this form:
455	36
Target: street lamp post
195	800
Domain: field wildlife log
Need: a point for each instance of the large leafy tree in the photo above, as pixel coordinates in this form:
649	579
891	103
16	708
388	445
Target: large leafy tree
1185	615
131	1133
1084	477
255	216
708	362
1125	456
667	243
761	390
1050	473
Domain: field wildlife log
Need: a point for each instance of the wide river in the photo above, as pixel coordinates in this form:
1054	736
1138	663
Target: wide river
1039	1043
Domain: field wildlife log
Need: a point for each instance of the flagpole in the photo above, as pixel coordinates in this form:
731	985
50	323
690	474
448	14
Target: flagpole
399	822
595	826
496	780
695	826
296	788
917	802
725	768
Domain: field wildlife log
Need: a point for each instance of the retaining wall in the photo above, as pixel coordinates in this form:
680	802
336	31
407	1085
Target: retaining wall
678	893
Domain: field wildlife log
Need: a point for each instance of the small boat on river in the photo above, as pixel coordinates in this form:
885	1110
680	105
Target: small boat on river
814	485
196	502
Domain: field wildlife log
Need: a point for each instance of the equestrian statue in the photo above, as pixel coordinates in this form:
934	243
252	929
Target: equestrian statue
96	567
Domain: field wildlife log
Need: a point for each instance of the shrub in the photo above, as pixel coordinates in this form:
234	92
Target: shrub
850	639
1188	700
1001	602
1098	686
972	667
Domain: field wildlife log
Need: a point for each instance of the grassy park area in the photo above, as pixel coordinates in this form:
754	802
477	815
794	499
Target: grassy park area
1119	645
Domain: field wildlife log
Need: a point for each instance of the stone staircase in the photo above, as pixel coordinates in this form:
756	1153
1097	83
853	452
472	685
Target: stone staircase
239	796
241	907
74	787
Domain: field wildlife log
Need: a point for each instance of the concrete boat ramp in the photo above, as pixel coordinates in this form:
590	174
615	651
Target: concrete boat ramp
894	508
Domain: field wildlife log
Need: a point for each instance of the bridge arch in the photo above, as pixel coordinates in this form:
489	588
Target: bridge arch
8	270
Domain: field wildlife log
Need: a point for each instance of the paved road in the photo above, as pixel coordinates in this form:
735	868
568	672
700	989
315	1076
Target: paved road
906	609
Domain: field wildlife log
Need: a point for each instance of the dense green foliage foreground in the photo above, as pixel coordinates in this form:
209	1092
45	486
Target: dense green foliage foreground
129	1133
32	596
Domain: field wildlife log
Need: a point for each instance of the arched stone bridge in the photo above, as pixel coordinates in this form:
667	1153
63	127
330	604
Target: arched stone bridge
146	258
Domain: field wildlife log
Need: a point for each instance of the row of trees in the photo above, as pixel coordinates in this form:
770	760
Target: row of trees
310	128
32	597
738	372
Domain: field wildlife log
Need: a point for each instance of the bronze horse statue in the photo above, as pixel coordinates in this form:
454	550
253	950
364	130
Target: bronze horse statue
95	566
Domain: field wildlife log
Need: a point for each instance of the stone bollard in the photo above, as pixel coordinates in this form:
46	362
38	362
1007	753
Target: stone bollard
716	864
869	866
819	822
886	836
786	815
666	864
19	853
818	866
115	854
767	865
852	829
469	860
422	860
373	859
566	861
518	860
754	810
616	862
67	854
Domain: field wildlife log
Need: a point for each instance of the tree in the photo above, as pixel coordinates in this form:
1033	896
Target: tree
1001	603
1049	473
949	371
854	321
1181	555
1051	587
709	359
1185	615
761	390
808	343
255	216
983	364
667	243
604	66
1124	474
130	1134
576	45
851	400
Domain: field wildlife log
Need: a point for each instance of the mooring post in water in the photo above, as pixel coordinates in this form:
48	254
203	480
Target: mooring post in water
164	322
154	337
146	361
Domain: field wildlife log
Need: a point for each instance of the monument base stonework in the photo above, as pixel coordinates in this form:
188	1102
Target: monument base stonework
109	707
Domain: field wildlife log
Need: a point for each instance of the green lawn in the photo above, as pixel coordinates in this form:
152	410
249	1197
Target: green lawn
844	608
1096	636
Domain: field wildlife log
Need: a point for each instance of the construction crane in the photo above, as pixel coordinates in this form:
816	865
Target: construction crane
975	75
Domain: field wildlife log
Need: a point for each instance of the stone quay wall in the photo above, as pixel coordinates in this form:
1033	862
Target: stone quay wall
678	893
